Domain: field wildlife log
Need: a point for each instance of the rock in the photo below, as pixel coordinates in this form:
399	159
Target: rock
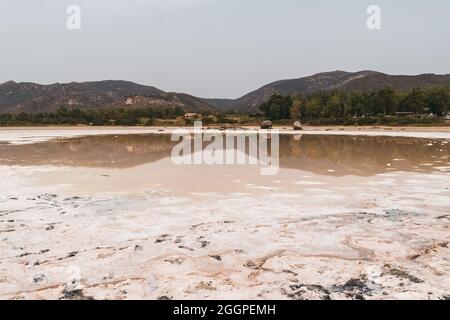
76	294
24	254
177	261
39	278
72	198
186	248
226	126
355	288
298	126
72	254
267	124
251	265
162	238
47	196
307	292
69	255
403	275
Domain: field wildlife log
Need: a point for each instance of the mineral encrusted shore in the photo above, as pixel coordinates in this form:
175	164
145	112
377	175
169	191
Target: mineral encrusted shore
89	231
374	239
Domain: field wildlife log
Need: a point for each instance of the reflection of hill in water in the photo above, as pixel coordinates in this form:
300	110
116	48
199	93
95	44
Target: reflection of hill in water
109	151
359	155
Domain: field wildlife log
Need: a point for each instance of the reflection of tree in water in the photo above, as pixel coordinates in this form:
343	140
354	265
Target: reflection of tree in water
316	153
358	154
94	151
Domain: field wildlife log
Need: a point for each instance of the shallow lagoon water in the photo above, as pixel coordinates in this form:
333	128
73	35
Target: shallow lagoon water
116	161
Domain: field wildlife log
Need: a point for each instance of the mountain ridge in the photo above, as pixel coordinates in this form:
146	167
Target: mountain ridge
32	97
364	81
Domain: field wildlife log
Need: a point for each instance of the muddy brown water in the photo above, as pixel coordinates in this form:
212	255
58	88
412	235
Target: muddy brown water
318	154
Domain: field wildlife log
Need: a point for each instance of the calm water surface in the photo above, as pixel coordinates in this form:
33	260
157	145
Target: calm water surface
318	154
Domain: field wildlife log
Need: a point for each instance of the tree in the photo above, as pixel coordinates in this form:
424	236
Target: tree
356	104
415	101
296	108
334	106
438	100
385	101
313	107
278	107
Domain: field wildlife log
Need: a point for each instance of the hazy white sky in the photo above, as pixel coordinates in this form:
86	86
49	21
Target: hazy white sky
218	48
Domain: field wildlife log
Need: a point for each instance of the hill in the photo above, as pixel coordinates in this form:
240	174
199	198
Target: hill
338	80
32	97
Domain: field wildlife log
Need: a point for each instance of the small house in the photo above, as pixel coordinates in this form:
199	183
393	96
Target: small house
192	116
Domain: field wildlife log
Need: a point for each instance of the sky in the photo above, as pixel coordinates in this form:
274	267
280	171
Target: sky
218	48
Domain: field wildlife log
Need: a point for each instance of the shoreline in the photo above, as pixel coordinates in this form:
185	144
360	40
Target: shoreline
443	128
25	135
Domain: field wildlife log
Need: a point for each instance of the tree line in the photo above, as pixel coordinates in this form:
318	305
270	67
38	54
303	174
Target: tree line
119	116
335	105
